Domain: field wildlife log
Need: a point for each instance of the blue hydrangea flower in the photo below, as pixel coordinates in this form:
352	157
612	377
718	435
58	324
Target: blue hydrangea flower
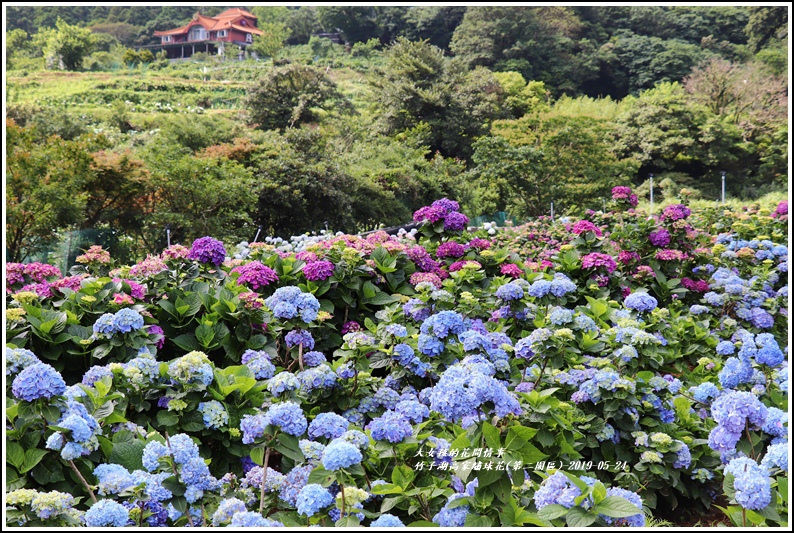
732	408
340	454
560	316
107	513
299	336
214	414
761	319
683	458
751	483
293	482
443	324
523	348
127	320
510	291
253	427
312	359
430	345
397	330
776	422
259	363
289	417
556	489
455	517
391	426
776	456
317	378
18	359
346	371
312	498
416	309
193	370
641	302
252	519
311	450
113	479
703	392
561	285
725	348
328	425
104	325
94	374
412	410
282	382
226	510
355	437
290	302
387	520
38	381
539	288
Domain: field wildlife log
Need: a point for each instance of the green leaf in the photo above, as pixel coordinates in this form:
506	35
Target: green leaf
552	511
727	487
187	342
782	488
175	487
15	455
348	521
492	438
578	517
616	507
518	436
402	476
258	455
167	418
47	472
754	517
473	520
32	458
386	488
128	454
321	476
369	289
288	446
599	492
422	523
205	335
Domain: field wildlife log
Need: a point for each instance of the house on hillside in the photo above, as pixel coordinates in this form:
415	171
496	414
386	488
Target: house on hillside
227	33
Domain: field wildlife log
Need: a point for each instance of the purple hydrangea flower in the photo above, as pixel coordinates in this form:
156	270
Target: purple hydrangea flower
207	250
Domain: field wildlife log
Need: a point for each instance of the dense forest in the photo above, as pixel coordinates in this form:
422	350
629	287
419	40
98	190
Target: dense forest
501	108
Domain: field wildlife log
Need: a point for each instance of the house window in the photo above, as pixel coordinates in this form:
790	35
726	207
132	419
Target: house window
197	33
166	38
249	38
222	33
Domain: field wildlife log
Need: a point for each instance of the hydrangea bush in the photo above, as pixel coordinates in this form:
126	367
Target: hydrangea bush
579	372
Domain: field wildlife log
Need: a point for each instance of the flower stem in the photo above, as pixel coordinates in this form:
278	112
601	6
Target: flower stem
342	510
82	479
300	355
264	478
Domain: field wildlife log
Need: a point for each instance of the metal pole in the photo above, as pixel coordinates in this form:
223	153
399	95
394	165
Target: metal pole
168	234
552	211
723	186
257	233
651	193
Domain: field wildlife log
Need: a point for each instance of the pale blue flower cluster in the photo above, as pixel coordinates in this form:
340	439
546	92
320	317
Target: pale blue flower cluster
17	359
318	378
312	498
83	430
226	510
291	302
642	302
340	454
731	411
214	414
444	324
259	363
192	370
387	520
293	482
107	513
312	359
288	416
311	450
328	425
38	381
510	291
466	386
299	337
390	426
406	357
282	382
124	321
751	483
252	519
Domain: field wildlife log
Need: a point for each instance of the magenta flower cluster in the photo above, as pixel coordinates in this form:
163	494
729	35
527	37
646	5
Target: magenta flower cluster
674	212
623	194
318	270
450	249
596	260
255	274
660	238
585	225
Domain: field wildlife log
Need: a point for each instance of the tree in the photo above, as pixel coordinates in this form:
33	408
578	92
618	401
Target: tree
115	188
420	90
436	24
765	23
288	96
540	158
357	23
70	44
17	43
45	186
664	130
272	39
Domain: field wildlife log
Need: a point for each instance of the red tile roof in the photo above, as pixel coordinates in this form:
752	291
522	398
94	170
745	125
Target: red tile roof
221	21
